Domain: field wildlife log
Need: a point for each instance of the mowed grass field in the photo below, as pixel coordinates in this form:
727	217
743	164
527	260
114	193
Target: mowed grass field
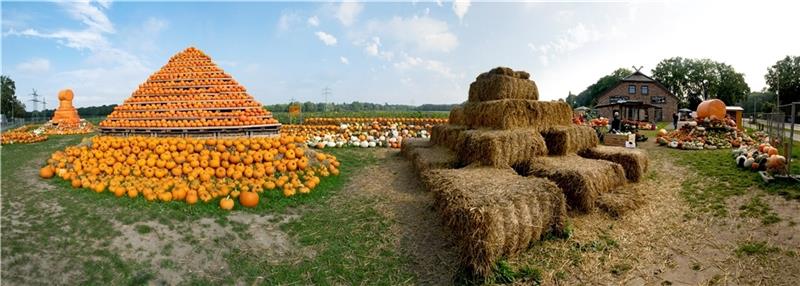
704	222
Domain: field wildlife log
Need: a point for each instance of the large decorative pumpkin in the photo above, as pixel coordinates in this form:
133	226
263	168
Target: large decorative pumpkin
713	109
248	199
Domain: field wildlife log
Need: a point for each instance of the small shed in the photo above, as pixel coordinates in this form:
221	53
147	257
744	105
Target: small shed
735	112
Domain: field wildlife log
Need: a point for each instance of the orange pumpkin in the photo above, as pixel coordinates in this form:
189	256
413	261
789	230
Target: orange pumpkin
226	203
713	109
46	172
248	199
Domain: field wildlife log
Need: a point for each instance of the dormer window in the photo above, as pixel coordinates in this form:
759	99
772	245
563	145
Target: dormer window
645	89
632	89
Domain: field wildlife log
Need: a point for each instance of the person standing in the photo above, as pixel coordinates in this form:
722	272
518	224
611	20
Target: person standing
616	123
675	120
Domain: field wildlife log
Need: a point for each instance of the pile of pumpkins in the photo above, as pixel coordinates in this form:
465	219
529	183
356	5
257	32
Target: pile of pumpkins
23	135
762	157
705	136
192	170
363	135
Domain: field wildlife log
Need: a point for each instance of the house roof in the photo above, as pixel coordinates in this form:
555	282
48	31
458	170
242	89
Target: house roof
636	76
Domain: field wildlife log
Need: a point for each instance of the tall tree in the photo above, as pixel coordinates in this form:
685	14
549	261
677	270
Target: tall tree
695	80
571	99
588	97
784	78
8	99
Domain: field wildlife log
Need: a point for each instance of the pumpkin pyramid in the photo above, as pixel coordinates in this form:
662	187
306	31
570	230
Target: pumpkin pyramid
190	94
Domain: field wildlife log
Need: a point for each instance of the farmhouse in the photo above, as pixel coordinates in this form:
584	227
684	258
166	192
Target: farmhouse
639	87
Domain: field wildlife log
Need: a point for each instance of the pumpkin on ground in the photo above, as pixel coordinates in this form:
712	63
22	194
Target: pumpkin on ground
46	172
248	199
226	203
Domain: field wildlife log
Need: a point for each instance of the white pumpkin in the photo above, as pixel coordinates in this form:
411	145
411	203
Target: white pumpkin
372	144
364	144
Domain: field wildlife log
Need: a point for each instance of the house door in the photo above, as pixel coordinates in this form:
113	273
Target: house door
659	115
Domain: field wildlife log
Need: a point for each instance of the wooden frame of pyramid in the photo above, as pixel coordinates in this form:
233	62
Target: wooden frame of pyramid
190	96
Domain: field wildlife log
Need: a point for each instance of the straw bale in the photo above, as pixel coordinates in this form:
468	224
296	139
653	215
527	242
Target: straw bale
409	144
634	161
495	213
446	135
562	140
620	201
516	113
497	86
456	116
499	148
582	180
434	157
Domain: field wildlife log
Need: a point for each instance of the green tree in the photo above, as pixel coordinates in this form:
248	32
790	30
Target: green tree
784	78
309	106
8	100
588	97
572	99
695	80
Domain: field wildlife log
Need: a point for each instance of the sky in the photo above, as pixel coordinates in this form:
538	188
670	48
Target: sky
412	52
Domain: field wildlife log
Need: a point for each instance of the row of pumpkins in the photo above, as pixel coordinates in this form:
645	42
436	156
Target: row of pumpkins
384	133
192	170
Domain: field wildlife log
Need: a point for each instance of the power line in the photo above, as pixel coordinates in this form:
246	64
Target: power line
326	92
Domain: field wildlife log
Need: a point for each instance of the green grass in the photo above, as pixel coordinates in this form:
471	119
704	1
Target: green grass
755	248
350	240
715	178
757	208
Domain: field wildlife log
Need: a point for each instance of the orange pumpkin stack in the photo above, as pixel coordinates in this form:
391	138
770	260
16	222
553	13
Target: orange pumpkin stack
190	92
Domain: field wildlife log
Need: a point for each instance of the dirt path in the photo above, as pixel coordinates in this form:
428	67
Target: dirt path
665	242
417	228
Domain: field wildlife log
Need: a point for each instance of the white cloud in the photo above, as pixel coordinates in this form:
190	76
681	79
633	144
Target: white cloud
460	7
313	21
410	62
572	39
424	33
439	3
90	15
326	38
34	65
348	12
344	60
287	20
373	48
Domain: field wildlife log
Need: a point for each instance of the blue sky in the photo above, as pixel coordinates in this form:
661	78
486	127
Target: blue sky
397	52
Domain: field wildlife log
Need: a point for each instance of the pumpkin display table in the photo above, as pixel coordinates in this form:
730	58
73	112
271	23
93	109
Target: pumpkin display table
190	96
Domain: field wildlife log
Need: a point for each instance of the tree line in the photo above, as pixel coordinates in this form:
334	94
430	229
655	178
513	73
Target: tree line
695	80
309	106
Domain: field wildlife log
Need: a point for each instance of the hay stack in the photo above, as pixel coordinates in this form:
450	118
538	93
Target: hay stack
499	148
516	113
562	140
456	116
409	144
634	161
446	135
503	83
495	213
582	180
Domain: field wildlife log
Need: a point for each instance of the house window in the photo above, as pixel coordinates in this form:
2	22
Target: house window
658	99
645	89
617	98
632	89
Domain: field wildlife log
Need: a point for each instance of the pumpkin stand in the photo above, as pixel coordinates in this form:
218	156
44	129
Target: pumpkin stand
190	97
507	167
712	129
